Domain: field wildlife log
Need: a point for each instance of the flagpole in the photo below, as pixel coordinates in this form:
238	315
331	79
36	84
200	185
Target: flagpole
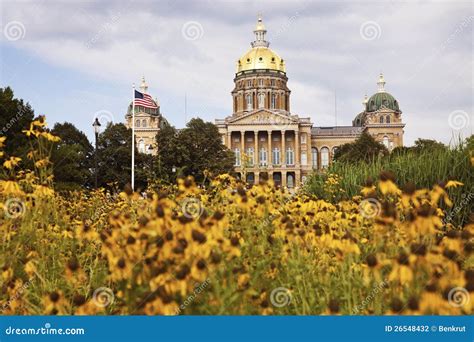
133	138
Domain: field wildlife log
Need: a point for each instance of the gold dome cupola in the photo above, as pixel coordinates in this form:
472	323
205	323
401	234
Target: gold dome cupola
260	56
260	33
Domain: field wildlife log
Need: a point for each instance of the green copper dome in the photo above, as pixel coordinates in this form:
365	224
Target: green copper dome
382	100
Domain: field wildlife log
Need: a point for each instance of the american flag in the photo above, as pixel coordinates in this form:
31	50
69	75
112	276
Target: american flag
144	100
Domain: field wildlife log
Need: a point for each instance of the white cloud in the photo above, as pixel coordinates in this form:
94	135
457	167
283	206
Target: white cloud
421	49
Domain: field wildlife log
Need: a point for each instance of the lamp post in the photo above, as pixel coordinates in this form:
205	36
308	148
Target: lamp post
96	126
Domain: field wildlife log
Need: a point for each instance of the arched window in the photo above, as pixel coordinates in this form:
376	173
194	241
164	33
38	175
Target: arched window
274	100
250	155
386	142
290	181
387	119
249	102
381	119
324	157
250	178
314	157
141	146
237	157
261	100
143	123
290	156
137	123
276	156
263	156
372	105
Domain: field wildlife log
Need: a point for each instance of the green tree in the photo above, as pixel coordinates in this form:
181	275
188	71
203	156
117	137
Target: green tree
196	150
365	148
427	145
15	116
71	157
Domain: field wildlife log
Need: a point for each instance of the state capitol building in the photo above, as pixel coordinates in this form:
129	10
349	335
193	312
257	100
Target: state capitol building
268	140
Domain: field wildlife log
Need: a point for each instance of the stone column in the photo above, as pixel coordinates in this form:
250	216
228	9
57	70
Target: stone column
283	147
242	145
283	178
297	148
255	153
229	140
269	152
297	178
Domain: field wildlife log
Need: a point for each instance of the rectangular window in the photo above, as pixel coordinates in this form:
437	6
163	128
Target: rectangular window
263	157
290	157
304	159
303	138
237	157
276	156
250	156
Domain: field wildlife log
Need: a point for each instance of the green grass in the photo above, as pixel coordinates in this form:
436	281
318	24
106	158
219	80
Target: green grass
424	169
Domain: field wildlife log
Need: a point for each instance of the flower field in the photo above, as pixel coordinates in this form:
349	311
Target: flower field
228	248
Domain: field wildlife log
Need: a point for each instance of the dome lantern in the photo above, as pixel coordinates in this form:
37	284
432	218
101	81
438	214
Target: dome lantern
381	83
260	34
144	86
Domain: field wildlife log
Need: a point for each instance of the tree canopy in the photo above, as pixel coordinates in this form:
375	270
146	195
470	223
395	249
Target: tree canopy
71	157
364	148
196	150
15	116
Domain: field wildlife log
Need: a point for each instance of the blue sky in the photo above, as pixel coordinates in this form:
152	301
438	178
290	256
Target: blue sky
74	60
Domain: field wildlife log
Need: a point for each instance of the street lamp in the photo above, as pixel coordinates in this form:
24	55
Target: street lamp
96	126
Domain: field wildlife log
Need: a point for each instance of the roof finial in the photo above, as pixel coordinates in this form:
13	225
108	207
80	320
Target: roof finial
366	99
260	34
381	83
144	86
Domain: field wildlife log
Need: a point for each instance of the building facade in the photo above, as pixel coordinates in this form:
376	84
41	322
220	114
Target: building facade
269	141
147	124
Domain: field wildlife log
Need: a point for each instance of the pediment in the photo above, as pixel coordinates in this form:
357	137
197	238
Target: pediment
263	117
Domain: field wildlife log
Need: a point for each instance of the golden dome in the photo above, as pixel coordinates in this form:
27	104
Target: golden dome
260	58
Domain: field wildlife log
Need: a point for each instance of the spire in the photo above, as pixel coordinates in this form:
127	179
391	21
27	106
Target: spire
366	99
260	34
381	84
144	86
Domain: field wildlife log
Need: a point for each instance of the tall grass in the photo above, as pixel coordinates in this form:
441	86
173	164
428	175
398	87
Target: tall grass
424	169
